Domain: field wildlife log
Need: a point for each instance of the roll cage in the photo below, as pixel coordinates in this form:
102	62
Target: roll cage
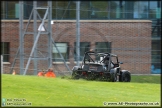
100	58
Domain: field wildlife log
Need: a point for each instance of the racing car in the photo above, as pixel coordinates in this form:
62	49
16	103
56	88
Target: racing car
101	66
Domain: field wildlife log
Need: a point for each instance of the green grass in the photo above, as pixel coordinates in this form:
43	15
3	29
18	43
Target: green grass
41	91
146	79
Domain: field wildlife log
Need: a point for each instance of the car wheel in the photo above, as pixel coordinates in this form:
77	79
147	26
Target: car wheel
126	77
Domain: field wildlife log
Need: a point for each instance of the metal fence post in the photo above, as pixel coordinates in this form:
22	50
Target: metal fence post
1	64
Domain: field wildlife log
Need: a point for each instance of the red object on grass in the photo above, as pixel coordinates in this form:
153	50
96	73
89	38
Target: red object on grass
40	74
50	74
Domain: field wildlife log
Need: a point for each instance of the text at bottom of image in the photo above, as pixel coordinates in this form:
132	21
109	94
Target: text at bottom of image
15	102
131	103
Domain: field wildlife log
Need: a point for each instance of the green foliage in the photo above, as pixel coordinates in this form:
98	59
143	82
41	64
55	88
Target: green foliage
42	91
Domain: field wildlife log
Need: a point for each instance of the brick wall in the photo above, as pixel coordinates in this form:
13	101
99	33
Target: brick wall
131	41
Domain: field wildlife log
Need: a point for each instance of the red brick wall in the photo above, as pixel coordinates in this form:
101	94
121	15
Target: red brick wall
131	41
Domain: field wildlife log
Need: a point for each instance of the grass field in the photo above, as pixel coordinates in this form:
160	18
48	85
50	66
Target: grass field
41	91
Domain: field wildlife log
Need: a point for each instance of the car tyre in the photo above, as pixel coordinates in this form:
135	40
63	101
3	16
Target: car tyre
125	77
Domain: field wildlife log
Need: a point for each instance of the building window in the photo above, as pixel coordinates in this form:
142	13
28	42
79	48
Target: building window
156	28
140	9
63	49
63	10
28	6
5	51
103	47
152	9
3	11
128	7
98	10
116	9
84	9
11	9
156	57
84	46
88	9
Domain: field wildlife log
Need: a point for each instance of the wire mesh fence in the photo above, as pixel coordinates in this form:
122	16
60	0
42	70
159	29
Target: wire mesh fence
136	61
130	40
